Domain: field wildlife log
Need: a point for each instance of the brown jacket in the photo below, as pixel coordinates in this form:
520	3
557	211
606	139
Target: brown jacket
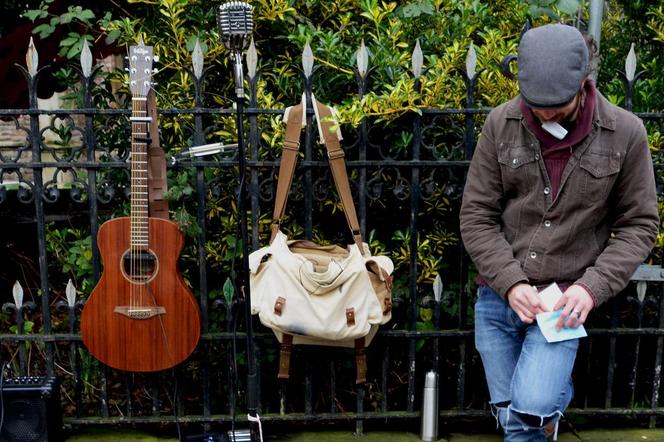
598	229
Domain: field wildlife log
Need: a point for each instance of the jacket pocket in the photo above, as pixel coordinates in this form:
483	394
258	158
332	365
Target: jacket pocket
600	172
519	168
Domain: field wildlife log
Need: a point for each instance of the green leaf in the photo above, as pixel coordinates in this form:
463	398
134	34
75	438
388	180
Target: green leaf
112	36
44	30
34	14
568	7
229	291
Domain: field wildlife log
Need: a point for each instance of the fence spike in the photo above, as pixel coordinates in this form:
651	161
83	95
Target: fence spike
437	288
71	294
252	59
641	287
630	64
471	61
32	58
307	60
362	59
17	291
197	60
86	59
417	59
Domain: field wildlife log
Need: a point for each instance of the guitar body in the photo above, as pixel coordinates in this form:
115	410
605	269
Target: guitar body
142	323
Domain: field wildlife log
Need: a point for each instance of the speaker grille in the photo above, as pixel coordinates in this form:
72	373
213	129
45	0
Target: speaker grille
23	420
32	410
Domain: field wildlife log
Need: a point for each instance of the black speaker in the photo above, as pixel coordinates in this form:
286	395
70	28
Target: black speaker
31	410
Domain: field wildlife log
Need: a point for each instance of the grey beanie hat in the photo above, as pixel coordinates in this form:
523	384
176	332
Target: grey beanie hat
553	61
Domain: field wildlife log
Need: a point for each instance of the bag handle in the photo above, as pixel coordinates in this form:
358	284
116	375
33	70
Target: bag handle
335	154
287	164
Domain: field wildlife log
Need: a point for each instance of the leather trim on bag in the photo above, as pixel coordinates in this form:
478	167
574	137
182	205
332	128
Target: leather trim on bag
350	316
360	361
387	305
285	356
279	305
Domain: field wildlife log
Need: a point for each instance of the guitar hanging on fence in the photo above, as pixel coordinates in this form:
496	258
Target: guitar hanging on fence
141	316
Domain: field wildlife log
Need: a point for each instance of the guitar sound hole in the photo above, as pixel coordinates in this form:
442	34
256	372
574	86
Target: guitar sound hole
139	266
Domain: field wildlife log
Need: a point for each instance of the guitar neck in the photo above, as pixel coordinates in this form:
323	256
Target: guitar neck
139	174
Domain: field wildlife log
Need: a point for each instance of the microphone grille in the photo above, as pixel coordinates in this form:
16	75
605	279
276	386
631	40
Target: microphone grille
235	19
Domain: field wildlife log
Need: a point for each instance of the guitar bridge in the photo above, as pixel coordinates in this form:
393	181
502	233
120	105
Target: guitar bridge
139	312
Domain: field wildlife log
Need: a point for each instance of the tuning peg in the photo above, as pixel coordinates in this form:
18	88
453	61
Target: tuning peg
155	70
156	59
126	69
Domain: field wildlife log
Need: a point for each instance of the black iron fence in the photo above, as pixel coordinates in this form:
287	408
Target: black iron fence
407	178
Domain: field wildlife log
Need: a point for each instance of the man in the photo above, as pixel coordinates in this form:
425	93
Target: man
560	189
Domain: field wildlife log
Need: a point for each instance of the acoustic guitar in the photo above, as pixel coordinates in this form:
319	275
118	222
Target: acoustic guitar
141	316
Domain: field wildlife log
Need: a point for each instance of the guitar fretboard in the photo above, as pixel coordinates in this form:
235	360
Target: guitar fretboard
139	175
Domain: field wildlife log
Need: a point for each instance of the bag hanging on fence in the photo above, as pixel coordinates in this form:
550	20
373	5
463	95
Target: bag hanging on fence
312	294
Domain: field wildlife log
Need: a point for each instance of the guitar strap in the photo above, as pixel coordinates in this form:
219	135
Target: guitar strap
157	204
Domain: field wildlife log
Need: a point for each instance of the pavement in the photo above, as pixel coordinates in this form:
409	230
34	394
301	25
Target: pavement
591	435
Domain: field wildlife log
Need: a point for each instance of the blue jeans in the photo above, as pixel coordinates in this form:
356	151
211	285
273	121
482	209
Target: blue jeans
530	380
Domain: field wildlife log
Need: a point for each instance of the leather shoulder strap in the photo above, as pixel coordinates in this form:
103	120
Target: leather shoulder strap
287	164
157	186
336	155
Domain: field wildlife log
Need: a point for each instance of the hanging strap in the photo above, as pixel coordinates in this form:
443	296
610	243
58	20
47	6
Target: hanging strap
330	138
157	204
285	356
335	154
360	361
287	164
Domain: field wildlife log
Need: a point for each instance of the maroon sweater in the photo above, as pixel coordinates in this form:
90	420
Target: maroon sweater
557	152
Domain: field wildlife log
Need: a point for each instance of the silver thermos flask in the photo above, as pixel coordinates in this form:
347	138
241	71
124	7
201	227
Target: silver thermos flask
429	431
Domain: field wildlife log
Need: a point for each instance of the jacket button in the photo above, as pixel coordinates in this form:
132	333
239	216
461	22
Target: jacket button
515	161
547	223
533	255
537	156
547	191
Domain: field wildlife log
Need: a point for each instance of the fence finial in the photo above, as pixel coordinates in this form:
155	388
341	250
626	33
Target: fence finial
437	288
417	59
630	64
471	61
86	59
197	60
362	59
70	291
307	60
17	291
252	59
32	58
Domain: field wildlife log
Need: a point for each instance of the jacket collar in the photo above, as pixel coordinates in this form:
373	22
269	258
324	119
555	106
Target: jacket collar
605	112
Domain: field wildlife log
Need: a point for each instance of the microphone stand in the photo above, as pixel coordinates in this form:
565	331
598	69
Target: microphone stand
252	378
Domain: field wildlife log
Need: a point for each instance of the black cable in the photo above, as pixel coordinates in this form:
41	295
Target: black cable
175	402
2	399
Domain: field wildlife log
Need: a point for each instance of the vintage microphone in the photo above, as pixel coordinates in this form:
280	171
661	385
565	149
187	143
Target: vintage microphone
236	23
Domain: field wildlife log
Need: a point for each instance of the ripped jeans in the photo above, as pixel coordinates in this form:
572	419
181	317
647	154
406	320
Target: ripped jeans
529	379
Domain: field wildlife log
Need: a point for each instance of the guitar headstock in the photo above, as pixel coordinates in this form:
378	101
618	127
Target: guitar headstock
140	69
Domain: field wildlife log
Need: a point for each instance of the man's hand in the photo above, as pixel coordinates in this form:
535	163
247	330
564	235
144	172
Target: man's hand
577	303
525	301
